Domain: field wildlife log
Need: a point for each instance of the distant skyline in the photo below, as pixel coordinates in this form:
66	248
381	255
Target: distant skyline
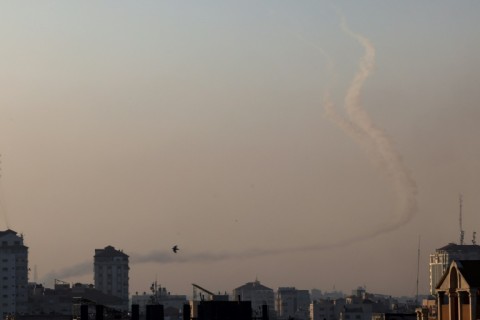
265	139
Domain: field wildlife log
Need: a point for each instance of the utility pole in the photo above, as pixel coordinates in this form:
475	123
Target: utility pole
418	269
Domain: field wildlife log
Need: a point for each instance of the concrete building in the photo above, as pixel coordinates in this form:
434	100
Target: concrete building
224	310
111	273
316	294
258	294
172	304
428	309
394	316
362	305
357	312
65	299
292	303
441	259
323	309
458	292
13	273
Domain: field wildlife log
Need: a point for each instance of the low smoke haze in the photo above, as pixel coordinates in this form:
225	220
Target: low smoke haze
301	143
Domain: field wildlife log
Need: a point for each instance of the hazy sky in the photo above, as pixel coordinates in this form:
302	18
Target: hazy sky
144	124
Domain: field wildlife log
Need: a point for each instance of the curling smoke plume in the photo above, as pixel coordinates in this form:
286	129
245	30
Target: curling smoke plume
361	128
380	148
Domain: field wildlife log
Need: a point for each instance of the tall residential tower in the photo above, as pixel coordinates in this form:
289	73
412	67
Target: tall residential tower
111	272
13	273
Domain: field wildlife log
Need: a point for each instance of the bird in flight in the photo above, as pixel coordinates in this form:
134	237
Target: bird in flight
175	248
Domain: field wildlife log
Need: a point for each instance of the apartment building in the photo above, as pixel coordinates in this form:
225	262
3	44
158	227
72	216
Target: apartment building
111	272
13	273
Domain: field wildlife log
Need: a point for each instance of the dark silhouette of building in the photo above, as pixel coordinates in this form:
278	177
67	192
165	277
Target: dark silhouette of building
259	295
13	273
225	310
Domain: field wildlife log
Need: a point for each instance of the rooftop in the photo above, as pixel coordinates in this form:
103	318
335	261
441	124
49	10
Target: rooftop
453	247
109	251
253	286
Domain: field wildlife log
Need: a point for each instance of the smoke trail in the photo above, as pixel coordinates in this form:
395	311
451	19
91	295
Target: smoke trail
360	126
77	270
167	257
86	267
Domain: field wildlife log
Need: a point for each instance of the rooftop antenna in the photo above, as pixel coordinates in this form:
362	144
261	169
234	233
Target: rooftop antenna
3	210
418	269
462	233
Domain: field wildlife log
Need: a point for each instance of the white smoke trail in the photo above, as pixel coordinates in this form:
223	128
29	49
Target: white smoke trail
361	127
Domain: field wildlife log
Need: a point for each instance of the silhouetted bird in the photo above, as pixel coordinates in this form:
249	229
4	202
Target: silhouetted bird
175	248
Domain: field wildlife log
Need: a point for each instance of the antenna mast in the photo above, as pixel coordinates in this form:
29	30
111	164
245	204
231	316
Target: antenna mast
418	269
462	233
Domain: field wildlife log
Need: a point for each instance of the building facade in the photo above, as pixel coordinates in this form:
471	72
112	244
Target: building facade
172	304
13	273
323	309
441	259
292	303
258	294
65	299
458	292
111	272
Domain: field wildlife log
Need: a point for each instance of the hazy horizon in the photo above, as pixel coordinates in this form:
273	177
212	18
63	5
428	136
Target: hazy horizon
301	143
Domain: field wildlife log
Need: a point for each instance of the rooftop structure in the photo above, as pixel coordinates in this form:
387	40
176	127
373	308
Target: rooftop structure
441	259
458	291
258	294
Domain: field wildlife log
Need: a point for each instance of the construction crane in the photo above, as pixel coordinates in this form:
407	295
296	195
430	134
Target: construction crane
61	284
197	294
